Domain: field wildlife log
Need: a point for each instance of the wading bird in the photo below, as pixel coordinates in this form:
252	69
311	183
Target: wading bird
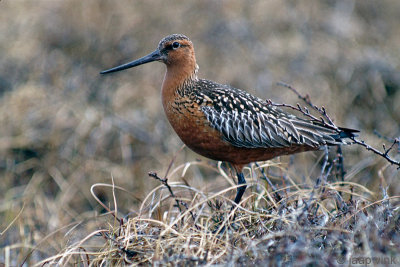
227	124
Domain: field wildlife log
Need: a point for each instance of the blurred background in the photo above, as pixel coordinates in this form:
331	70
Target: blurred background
64	127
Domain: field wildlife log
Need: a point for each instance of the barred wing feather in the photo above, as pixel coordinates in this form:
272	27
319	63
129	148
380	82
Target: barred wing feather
260	125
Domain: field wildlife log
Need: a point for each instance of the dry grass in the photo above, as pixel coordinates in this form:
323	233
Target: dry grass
63	129
298	224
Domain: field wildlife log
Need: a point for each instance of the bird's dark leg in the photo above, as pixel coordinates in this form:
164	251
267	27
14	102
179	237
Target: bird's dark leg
240	191
242	187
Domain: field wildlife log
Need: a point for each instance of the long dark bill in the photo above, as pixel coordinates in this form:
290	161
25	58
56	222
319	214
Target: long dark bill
154	56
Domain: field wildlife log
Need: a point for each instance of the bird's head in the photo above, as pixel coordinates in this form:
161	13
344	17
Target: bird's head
175	50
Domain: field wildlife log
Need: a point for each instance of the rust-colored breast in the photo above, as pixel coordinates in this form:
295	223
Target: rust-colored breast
191	125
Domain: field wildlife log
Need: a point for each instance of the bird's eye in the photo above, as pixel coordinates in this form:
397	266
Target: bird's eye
175	45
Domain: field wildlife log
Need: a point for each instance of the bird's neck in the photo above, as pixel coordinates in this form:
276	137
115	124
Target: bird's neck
178	79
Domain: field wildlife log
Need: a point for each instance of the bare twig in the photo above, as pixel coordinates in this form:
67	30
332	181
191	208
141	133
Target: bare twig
340	163
391	140
307	100
380	153
178	201
329	123
165	182
307	113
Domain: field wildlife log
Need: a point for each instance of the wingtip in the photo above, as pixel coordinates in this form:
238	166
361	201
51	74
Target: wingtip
348	133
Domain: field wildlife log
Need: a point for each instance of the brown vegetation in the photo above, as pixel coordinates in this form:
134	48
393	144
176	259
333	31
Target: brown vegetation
65	129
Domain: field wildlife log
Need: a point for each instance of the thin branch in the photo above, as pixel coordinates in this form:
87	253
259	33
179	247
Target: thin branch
380	153
165	182
178	201
329	123
306	112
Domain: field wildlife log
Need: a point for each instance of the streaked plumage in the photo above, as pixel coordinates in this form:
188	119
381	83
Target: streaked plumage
224	123
248	121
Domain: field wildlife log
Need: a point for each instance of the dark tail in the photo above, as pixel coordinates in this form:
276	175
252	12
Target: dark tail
347	133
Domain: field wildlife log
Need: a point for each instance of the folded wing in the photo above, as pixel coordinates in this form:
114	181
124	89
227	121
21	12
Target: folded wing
247	121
